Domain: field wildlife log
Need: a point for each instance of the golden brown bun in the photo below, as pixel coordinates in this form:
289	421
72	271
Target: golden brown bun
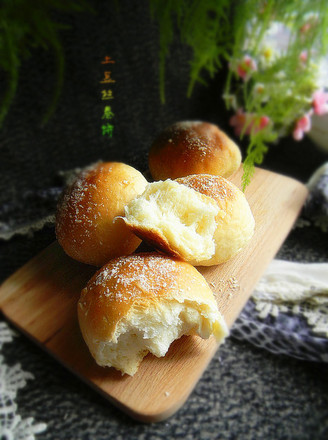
142	303
235	221
202	219
86	223
175	219
193	147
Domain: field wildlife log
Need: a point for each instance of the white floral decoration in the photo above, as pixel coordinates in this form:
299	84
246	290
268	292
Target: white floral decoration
12	379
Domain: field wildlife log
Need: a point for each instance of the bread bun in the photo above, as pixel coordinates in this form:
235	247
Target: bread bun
202	219
87	226
175	219
193	147
235	223
141	303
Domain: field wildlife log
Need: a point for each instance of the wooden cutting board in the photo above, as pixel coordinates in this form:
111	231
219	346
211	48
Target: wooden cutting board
40	299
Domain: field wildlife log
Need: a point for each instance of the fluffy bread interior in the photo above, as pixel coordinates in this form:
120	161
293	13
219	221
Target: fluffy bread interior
235	222
140	304
153	331
176	216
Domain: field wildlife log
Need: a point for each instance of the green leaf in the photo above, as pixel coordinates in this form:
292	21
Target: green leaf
24	26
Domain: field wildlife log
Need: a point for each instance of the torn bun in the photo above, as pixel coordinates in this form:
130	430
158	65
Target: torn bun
202	219
140	304
193	147
235	222
87	226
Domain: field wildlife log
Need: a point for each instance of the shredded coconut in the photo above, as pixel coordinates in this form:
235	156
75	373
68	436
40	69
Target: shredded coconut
193	141
125	278
212	186
228	287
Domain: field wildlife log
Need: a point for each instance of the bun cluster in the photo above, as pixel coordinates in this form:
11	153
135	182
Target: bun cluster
139	303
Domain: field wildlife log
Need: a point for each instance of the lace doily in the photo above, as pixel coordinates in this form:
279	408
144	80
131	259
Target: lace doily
296	288
12	379
316	206
288	311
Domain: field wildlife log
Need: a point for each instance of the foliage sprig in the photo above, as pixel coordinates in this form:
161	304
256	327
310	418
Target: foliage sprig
272	49
24	27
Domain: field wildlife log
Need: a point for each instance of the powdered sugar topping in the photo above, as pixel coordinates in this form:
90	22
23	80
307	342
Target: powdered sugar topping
212	186
76	202
193	140
134	276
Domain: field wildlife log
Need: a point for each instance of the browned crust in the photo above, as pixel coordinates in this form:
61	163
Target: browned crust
216	187
136	281
155	239
220	190
193	147
86	224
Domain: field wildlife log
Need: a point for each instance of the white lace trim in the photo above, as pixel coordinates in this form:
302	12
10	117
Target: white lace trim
12	379
299	288
28	230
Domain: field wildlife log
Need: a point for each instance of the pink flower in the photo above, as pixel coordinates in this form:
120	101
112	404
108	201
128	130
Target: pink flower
302	125
238	121
248	123
320	102
304	56
312	22
305	28
263	122
246	67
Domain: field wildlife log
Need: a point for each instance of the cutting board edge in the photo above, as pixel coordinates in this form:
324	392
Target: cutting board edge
141	416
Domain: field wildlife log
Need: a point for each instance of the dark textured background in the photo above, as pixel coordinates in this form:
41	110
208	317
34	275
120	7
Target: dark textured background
246	393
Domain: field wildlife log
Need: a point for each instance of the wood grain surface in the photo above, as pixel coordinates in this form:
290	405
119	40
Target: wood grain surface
40	299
